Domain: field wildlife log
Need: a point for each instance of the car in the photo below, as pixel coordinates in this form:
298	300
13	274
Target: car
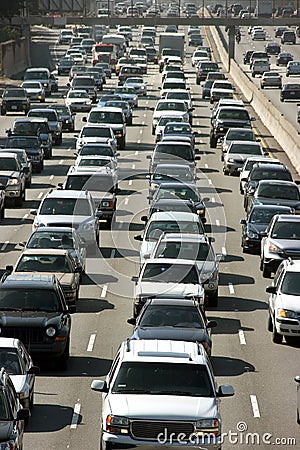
65	37
180	152
203	68
48	260
78	100
85	83
128	70
195	39
297	379
170	172
18	363
76	70
13	414
14	100
256	223
139	85
237	153
146	368
173	319
290	91
237	134
271	79
179	131
196	247
199	55
284	311
125	106
281	240
152	54
112	118
166	222
96	134
206	88
106	68
181	191
12	175
273	48
226	117
34	90
96	149
54	124
258	35
23	161
260	66
172	84
175	107
41	74
141	61
163	121
247	167
247	56
276	192
59	237
293	68
288	37
65	116
174	74
283	58
128	94
221	89
34	310
64	65
172	205
32	147
264	171
74	209
98	77
124	60
101	183
258	55
280	30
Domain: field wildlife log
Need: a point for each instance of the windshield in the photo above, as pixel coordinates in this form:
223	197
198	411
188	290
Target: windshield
173	174
245	135
77	94
88	82
263	216
9	359
165	120
238	114
36	75
291	284
125	90
245	149
286	230
30	128
156	228
96	150
51	239
163	379
29	300
184	250
93	162
104	183
260	174
29	85
9	164
171	106
175	85
4	411
105	117
178	95
66	206
171	316
174	151
278	192
44	263
26	143
14	93
50	115
178	129
183	193
95	132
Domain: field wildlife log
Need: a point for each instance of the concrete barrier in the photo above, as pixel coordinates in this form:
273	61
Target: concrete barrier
15	56
282	130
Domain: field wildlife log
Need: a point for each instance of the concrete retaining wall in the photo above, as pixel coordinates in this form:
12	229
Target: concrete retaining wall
14	57
282	130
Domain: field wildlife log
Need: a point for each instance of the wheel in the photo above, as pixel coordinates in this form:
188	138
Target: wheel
104	445
19	200
212	299
262	86
31	401
253	75
122	143
40	167
62	361
225	171
2	214
213	141
153	130
3	112
58	141
266	273
270	324
276	338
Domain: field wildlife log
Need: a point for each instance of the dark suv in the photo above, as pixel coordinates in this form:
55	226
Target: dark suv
33	309
14	100
228	117
12	415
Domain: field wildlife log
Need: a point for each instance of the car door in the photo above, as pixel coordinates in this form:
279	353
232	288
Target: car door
27	365
277	282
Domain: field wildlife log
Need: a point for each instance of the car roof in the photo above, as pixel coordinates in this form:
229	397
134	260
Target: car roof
253	143
187	237
278	182
265	166
54	230
27	280
8	155
172	302
287	218
271	207
31	119
106	109
176	215
67	193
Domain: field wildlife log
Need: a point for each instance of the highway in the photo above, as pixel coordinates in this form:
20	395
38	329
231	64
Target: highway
66	414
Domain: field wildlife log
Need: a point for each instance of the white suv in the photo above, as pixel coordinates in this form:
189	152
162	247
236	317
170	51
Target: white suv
161	392
284	306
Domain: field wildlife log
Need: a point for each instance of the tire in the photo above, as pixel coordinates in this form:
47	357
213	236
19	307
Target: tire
212	299
122	144
276	338
266	273
19	200
225	171
104	445
58	141
213	141
2	214
262	87
197	81
3	112
40	167
270	324
62	361
287	74
253	75
153	130
31	401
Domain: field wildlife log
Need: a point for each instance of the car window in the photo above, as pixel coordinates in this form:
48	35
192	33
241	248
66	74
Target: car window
57	239
105	117
66	206
286	230
9	359
9	164
156	228
29	300
184	250
170	273
44	263
95	132
183	193
174	151
171	315
291	284
278	192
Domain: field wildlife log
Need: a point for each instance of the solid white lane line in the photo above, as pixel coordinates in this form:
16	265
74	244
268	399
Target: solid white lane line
51	177
254	404
231	288
126	201
75	417
217	222
141	131
40	194
25	216
4	246
113	252
130	182
104	291
242	337
91	342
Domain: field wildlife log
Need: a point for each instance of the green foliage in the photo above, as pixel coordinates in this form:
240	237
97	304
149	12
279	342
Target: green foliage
8	33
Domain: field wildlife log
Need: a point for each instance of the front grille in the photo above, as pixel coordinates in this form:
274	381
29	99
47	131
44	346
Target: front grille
26	335
65	224
141	429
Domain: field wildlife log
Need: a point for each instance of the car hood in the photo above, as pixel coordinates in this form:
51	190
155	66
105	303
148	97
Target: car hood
290	302
19	382
34	319
92	140
290	246
5	430
113	126
257	228
170	406
178	289
171	333
33	90
206	268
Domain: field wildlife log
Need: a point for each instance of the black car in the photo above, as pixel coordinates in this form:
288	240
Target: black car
32	146
284	58
33	309
13	415
290	91
64	66
206	88
170	205
65	116
276	192
204	68
264	171
173	319
273	48
256	223
247	56
280	30
180	191
14	100
288	37
169	152
152	54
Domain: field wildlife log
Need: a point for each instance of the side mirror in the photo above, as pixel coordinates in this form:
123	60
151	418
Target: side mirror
23	414
76	136
225	391
148	177
76	153
22	244
148	157
144	218
134	279
99	386
84	119
25	170
197	158
271	289
68	84
253	119
34	370
243	221
138	238
33	212
220	257
60	185
131	321
211	324
9	268
117	154
297	379
72	309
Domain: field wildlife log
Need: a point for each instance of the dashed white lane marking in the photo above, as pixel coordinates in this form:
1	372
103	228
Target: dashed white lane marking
121	223
40	194
91	342
201	142
213	200
224	251
130	182
141	131
126	201
139	141
51	177
206	166
217	222
144	115
231	288
113	252
143	122
147	102
209	181
133	166
4	246
254	404
61	161
242	337
25	216
104	291
75	417
137	152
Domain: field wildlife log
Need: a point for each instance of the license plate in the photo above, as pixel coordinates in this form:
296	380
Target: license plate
292	93
14	107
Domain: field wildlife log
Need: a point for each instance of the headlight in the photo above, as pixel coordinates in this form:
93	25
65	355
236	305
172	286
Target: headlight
45	84
207	423
13	181
50	331
273	248
230	160
87	226
153	186
252	235
287	314
107	204
200	211
73	286
117	421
